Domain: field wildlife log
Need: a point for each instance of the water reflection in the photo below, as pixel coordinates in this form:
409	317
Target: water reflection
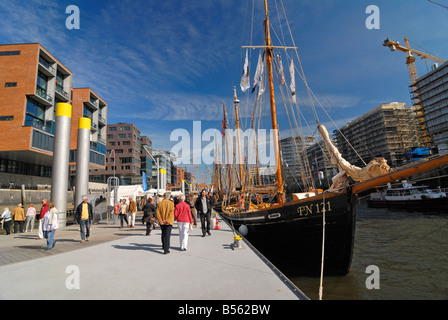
410	250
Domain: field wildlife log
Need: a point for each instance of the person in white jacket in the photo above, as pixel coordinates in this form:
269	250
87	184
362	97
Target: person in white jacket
6	216
50	225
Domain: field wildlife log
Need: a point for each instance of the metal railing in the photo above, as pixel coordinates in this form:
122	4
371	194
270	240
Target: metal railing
46	65
62	92
43	94
44	126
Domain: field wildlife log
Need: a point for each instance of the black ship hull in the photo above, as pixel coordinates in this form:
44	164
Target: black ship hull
290	236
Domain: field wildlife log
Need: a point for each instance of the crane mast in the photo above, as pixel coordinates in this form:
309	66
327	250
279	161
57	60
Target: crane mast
413	77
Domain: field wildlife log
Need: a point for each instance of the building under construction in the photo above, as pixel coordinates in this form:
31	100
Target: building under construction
386	131
431	92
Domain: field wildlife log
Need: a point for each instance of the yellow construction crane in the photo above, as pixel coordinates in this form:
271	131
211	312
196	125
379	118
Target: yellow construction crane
410	61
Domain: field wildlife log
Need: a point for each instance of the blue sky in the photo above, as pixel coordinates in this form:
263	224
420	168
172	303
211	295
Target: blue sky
164	64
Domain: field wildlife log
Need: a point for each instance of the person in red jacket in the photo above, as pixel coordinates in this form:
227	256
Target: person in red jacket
182	214
43	211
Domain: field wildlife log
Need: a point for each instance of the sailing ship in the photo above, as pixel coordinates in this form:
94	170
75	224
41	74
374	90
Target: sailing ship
303	233
411	197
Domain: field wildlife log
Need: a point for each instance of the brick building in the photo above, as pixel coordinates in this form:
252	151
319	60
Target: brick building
32	82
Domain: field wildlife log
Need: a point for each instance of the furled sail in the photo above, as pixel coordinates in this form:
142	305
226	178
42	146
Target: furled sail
377	167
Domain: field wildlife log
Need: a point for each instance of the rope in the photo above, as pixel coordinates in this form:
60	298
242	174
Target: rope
321	288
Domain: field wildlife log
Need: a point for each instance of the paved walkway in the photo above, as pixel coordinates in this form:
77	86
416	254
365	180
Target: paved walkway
126	264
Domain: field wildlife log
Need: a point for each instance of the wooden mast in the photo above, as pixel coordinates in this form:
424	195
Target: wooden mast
268	52
237	124
227	159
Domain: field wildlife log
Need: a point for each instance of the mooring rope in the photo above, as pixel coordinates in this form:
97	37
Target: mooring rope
321	288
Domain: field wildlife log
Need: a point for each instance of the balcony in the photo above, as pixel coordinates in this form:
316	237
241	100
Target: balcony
93	104
46	68
101	140
101	120
41	96
47	126
61	94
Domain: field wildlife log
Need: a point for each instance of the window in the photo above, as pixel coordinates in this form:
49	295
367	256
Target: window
110	136
42	141
9	53
10	84
121	136
59	80
6	118
112	128
127	128
42	81
35	109
126	160
88	112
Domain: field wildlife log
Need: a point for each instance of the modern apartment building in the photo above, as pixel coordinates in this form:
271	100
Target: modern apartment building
127	158
431	93
386	131
32	82
123	155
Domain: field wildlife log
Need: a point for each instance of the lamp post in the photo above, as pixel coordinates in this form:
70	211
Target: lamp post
158	170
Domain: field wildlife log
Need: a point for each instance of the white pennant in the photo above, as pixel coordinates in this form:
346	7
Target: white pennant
293	82
245	81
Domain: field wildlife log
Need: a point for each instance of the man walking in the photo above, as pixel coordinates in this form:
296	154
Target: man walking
84	216
165	215
204	209
132	209
18	215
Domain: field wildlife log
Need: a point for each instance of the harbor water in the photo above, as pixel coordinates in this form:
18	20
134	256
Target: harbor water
409	254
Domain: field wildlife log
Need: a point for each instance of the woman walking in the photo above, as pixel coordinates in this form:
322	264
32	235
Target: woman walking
149	210
30	217
123	213
50	225
182	214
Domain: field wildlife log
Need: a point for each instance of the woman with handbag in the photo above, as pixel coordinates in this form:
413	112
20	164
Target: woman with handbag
182	214
149	211
50	225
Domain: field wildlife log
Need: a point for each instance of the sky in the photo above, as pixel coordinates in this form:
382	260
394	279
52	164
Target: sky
164	64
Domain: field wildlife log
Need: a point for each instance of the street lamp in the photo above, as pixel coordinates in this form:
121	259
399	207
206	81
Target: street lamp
158	171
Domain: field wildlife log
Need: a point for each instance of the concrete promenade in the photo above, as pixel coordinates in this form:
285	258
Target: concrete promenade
125	264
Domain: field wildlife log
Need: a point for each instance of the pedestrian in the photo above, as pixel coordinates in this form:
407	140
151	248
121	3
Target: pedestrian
43	211
165	215
182	214
149	211
84	216
123	213
204	209
18	215
191	202
30	217
6	216
132	209
50	225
